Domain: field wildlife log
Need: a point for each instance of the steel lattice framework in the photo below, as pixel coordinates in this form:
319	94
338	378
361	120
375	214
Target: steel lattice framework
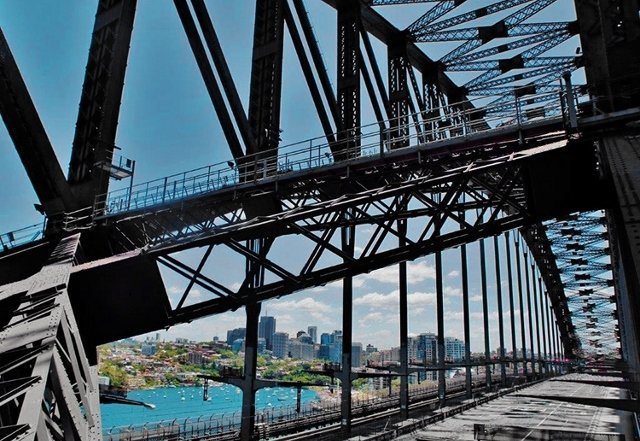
447	164
581	248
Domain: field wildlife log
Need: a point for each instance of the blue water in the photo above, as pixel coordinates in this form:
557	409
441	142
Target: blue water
186	402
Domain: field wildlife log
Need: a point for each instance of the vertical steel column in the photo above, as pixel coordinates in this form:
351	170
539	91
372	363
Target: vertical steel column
512	318
404	326
398	92
100	100
521	303
528	286
554	342
485	314
442	385
349	60
348	244
544	326
249	388
266	75
503	368
535	310
560	351
549	311
465	313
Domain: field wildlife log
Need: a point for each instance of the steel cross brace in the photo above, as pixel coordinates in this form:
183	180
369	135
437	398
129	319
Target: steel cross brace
47	390
418	189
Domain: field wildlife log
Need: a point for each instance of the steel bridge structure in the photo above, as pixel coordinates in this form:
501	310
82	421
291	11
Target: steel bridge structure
535	157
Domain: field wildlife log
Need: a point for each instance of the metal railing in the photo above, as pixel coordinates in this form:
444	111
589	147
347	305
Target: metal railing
368	141
279	419
22	236
456	120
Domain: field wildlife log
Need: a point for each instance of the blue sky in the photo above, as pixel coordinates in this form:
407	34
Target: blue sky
167	125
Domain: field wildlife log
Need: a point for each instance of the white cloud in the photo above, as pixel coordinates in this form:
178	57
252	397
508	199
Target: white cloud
450	291
371	319
375	299
378	300
175	293
416	272
308	305
421	298
476	298
454	273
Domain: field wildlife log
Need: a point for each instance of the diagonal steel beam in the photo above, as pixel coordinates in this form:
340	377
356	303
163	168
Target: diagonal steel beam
29	137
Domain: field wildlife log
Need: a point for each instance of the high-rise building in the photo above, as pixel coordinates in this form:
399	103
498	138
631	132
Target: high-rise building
280	344
324	352
427	348
237	345
356	355
301	350
453	349
305	338
335	347
266	329
412	349
235	334
325	338
313	333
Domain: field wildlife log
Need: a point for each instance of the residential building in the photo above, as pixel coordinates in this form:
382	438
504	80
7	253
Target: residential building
427	348
453	349
235	334
148	350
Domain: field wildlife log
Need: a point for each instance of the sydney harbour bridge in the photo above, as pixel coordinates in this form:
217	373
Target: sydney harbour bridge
534	157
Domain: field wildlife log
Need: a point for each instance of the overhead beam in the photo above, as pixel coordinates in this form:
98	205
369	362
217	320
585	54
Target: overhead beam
30	138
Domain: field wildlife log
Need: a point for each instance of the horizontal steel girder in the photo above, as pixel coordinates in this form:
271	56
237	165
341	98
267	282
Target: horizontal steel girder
432	189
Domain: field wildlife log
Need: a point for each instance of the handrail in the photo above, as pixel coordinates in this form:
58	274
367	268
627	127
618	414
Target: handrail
369	140
446	122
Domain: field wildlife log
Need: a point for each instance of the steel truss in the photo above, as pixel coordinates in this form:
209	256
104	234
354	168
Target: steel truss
47	389
580	245
418	201
532	39
428	192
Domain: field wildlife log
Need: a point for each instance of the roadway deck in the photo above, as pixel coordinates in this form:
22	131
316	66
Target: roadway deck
514	417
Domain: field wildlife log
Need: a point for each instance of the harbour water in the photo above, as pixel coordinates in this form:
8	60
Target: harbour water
180	403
